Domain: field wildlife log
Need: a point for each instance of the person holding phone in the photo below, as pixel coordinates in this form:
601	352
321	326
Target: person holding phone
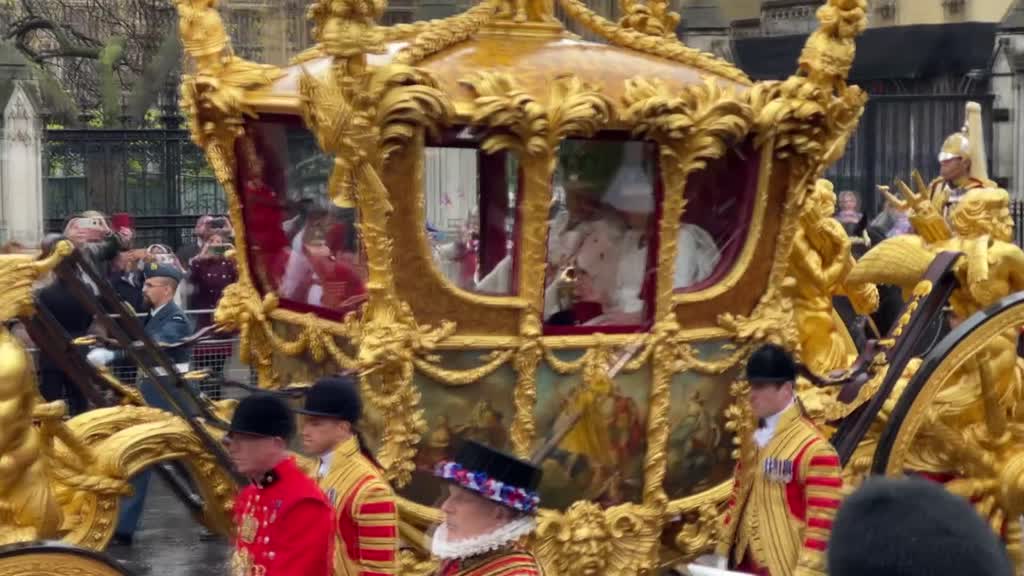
210	272
91	234
206	226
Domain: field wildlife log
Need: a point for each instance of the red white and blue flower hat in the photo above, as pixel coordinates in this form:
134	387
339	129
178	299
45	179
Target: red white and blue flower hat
494	475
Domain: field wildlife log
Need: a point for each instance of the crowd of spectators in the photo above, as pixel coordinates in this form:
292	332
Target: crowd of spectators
111	245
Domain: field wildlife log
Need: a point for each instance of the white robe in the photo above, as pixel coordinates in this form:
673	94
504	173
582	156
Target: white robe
632	269
607	243
297	271
696	257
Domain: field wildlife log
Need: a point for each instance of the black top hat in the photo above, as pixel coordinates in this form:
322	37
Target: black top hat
263	415
495	475
771	364
334	397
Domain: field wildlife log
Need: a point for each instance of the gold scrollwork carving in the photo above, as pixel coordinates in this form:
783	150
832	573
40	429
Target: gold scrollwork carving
670	49
701	529
101	449
652	17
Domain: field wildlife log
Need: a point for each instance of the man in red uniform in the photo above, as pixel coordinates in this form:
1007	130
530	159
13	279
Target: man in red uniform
787	488
365	512
283	520
489	511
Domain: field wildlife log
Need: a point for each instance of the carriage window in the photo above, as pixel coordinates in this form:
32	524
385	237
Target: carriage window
719	206
601	246
302	246
470	213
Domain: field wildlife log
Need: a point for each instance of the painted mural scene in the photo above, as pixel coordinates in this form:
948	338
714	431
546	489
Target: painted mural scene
511	287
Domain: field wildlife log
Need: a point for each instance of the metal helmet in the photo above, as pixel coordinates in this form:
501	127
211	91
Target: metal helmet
968	143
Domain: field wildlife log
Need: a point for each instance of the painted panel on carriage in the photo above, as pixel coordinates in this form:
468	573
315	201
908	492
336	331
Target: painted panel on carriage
482	411
602	458
699	446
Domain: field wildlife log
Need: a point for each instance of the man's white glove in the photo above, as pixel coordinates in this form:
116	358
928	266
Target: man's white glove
100	357
721	562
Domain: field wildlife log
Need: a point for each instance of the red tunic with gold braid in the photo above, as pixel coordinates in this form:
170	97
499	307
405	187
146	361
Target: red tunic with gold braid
784	499
365	514
283	526
505	562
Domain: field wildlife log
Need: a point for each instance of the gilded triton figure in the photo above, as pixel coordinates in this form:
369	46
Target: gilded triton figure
992	268
28	509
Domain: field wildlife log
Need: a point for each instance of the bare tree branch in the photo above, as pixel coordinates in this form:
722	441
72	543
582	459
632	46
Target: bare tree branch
71	41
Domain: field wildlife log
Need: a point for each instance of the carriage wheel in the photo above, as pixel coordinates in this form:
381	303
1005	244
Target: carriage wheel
960	346
56	559
988	455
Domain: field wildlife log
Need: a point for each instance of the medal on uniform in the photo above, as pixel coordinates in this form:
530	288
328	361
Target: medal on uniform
250	525
776	470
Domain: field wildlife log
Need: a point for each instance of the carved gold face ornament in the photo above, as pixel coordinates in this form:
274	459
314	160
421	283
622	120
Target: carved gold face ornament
588	541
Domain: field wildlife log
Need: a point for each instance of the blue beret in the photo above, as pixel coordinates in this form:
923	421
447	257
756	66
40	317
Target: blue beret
155	270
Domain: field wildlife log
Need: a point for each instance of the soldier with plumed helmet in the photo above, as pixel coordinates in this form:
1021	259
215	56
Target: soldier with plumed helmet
962	163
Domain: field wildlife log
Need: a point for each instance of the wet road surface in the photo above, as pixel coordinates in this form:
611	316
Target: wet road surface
168	542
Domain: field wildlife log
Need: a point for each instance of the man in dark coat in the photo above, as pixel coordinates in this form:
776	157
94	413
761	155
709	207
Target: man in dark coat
166	323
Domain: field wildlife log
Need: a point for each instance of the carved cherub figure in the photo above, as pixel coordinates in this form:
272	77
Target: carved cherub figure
28	509
527	10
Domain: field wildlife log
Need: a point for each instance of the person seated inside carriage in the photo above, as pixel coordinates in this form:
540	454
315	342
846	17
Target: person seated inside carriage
321	267
599	268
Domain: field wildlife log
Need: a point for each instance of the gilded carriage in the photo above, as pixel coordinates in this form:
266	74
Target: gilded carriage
631	410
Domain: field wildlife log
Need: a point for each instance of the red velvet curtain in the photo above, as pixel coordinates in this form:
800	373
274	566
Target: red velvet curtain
492	198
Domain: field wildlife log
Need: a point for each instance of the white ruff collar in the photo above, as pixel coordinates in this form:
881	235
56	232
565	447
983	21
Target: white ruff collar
441	547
